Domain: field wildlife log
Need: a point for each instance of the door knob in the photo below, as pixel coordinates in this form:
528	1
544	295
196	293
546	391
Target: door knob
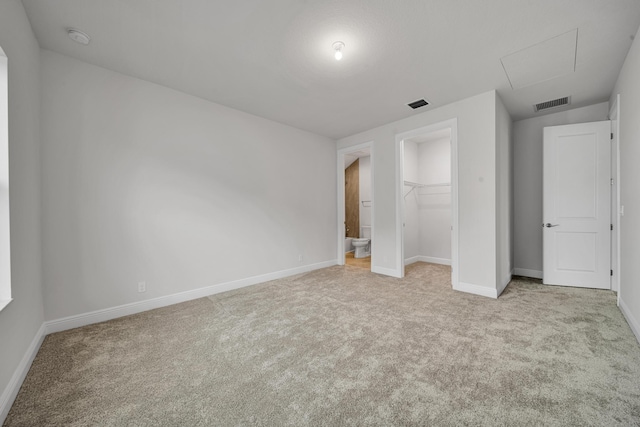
549	225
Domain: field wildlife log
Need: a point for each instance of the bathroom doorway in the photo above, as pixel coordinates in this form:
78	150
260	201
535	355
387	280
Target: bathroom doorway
427	196
355	206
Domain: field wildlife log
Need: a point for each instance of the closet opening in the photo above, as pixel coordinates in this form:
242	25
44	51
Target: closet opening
427	197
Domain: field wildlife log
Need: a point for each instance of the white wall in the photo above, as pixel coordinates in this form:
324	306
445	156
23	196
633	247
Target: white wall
628	86
477	199
364	175
410	161
21	319
144	183
434	203
527	181
504	190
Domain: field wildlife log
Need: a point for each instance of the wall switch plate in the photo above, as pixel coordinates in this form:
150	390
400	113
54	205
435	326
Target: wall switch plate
142	286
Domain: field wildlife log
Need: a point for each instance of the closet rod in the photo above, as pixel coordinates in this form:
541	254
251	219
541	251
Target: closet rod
444	184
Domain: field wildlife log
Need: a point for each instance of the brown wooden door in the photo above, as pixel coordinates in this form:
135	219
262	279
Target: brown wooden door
352	199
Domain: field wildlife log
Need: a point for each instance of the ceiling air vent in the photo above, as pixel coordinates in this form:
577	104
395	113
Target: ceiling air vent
417	104
552	104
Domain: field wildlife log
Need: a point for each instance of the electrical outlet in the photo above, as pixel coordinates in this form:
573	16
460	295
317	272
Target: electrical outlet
142	286
300	257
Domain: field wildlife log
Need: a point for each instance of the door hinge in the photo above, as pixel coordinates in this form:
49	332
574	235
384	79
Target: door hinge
611	227
612	136
612	181
612	272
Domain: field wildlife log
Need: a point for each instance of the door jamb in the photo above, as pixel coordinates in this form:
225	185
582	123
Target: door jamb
614	117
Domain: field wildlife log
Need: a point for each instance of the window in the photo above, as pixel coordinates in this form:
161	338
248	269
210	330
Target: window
5	255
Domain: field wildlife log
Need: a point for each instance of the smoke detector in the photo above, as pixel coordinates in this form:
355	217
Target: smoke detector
78	36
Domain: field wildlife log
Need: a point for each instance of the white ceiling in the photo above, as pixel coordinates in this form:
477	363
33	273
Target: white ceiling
274	58
543	61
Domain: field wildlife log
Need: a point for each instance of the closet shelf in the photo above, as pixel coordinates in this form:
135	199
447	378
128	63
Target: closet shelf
418	185
415	185
443	184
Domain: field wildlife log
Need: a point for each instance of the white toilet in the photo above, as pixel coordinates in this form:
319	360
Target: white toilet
363	244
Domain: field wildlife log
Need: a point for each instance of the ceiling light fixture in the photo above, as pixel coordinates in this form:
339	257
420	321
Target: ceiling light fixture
78	36
337	46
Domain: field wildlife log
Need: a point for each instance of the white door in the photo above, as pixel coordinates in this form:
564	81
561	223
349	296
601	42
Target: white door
576	205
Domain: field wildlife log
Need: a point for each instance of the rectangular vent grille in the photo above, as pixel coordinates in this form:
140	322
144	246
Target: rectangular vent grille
552	104
417	104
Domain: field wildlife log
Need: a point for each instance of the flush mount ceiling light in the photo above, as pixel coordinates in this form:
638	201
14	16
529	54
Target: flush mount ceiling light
78	36
337	46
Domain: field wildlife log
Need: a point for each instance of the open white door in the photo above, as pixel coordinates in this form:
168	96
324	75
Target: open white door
576	211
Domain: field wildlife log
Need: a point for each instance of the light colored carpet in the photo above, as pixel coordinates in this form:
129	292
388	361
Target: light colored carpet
342	346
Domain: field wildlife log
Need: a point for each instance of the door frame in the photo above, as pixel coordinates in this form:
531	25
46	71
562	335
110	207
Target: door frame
400	206
340	256
614	117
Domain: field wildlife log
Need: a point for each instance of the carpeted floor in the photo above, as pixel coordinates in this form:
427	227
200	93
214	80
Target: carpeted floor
343	346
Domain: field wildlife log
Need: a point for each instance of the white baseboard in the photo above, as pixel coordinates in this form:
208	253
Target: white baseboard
432	260
11	391
97	316
412	260
476	289
385	271
536	274
504	283
632	321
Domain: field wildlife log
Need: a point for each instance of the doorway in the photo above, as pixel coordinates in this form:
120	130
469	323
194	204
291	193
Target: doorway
427	197
355	206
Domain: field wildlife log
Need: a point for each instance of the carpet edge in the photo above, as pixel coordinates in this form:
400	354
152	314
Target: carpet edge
632	321
102	315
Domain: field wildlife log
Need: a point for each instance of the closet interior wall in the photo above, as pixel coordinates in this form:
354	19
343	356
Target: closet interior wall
428	205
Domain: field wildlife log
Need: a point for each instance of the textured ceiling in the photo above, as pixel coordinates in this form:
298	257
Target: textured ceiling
274	58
